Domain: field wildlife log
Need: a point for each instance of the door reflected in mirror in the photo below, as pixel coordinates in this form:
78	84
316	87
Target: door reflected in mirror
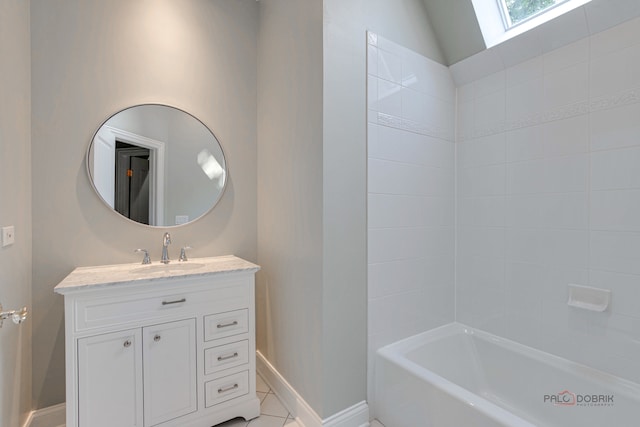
157	165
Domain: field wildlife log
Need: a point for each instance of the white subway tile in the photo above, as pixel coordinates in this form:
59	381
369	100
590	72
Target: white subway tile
482	181
564	210
568	248
482	272
526	46
525	71
426	76
389	66
372	60
490	111
401	312
524	211
615	128
490	84
566	86
526	177
372	138
615	38
408	211
372	93
616	72
615	169
484	241
567	56
558	277
525	144
390	46
557	211
396	277
564	30
415	106
466	93
389	98
488	211
527	245
394	244
466	120
523	321
566	174
555	247
615	251
482	151
615	210
372	116
386	177
625	291
566	137
524	100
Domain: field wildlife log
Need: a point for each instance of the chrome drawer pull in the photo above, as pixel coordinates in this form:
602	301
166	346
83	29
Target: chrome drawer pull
226	325
174	302
127	344
231	356
157	338
224	390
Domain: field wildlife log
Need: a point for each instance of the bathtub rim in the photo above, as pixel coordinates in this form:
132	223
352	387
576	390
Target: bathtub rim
396	353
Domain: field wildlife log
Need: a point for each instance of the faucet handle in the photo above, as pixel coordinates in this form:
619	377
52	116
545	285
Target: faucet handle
146	259
183	253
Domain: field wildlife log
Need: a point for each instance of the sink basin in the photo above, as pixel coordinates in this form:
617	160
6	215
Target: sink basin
170	268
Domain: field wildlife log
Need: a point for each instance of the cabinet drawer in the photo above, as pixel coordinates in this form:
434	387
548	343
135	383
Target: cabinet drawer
98	311
226	356
226	324
226	388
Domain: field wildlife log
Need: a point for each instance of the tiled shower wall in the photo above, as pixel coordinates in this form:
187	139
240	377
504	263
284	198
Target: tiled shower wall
411	183
549	194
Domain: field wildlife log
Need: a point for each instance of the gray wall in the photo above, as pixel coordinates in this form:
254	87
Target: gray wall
290	284
91	59
457	29
15	208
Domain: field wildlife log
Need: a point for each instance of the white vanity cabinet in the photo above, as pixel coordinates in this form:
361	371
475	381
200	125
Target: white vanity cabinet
160	345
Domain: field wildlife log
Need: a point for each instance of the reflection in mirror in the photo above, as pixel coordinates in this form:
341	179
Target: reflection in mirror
157	165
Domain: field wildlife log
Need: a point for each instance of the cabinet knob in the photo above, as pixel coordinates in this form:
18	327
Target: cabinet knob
157	338
127	343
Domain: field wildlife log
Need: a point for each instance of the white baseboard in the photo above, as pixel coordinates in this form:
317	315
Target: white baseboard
355	416
52	416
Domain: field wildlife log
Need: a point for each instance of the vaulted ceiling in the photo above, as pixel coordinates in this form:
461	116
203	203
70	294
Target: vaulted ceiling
456	27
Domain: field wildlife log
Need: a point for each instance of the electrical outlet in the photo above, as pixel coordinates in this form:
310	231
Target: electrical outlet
8	236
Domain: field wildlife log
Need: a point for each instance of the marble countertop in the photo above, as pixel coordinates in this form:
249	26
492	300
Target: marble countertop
107	275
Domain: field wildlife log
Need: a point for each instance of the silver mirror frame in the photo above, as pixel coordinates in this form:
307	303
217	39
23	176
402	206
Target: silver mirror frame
118	214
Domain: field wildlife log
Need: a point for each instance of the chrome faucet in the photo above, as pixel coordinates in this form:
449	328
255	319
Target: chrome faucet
166	241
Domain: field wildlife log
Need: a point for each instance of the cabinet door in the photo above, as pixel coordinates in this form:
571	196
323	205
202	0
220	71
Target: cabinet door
169	371
110	380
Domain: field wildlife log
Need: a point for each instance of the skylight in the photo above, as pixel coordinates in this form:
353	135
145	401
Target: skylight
517	11
501	20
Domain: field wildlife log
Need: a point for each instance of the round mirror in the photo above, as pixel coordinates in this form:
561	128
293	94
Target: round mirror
157	165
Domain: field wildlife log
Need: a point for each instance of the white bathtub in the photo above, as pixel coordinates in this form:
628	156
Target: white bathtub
456	376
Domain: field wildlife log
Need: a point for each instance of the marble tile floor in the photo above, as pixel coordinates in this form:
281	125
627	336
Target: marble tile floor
272	412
